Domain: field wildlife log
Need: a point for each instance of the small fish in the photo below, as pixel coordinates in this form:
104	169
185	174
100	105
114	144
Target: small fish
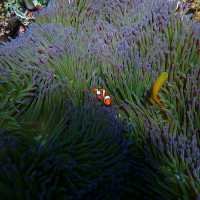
107	100
102	96
154	98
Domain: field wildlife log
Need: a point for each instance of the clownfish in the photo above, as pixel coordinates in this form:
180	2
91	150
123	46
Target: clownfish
107	100
102	96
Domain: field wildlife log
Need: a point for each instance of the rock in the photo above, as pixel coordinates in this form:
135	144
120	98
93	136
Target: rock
29	4
3	23
15	14
13	25
189	7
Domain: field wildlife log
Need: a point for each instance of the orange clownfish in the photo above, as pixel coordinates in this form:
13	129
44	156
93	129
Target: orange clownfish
103	96
107	100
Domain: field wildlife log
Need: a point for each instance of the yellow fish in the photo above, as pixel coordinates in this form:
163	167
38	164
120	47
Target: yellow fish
154	98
